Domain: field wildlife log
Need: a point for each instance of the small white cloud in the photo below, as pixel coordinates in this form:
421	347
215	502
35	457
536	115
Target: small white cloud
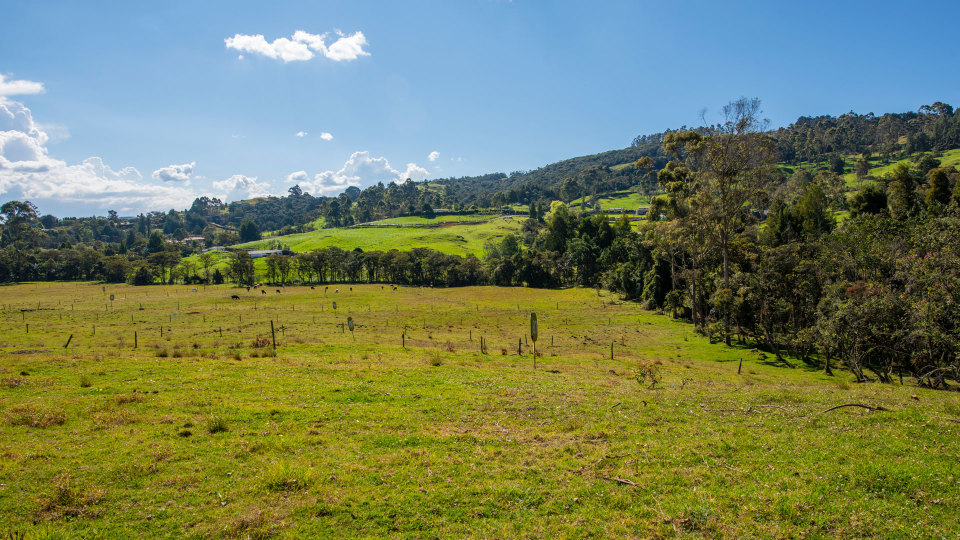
175	173
302	134
240	57
434	156
301	46
326	136
18	88
239	187
299	177
347	47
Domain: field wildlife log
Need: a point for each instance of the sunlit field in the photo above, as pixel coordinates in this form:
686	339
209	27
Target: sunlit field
170	411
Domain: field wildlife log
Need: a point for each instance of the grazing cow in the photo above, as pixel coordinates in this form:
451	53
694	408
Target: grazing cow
278	291
248	289
335	291
312	287
234	297
194	289
351	289
263	291
325	289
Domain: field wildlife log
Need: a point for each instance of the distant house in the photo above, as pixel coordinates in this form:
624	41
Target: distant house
192	239
214	248
642	210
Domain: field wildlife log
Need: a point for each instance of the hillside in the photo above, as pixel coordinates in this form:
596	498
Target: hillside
442	234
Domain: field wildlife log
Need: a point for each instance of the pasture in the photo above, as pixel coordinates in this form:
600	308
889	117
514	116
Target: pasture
169	413
453	235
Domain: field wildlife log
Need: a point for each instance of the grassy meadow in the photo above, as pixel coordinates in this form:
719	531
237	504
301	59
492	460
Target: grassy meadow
628	200
455	235
405	428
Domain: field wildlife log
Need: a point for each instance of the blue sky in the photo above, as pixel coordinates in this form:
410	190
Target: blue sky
134	106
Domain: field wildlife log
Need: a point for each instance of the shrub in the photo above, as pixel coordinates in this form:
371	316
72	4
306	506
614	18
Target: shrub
85	380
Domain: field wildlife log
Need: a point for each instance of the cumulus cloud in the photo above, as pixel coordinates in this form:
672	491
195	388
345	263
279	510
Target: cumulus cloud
301	46
434	156
239	187
27	171
302	134
359	170
175	173
17	88
326	136
414	172
299	177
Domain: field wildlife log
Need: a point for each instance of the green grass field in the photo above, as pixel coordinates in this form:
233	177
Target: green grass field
452	238
449	218
205	431
628	200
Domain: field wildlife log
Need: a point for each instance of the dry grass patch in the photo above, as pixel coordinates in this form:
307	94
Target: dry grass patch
35	417
69	498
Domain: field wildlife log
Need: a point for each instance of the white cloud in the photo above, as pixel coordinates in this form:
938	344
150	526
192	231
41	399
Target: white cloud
414	172
302	134
299	177
326	136
18	88
175	173
347	47
434	156
239	187
28	172
301	46
359	170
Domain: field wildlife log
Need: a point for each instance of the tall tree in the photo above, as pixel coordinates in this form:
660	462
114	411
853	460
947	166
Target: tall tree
733	163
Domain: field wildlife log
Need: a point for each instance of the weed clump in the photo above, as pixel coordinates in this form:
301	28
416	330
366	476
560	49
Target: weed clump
282	476
13	382
129	398
68	498
217	424
648	373
86	380
253	526
163	353
27	415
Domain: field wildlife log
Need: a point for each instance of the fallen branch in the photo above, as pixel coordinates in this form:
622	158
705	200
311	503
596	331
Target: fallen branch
867	407
619	480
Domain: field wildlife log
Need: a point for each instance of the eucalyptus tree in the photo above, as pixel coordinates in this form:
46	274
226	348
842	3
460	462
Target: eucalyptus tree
732	165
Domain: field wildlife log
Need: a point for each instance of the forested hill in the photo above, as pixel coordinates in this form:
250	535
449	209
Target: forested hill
816	141
809	139
612	167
